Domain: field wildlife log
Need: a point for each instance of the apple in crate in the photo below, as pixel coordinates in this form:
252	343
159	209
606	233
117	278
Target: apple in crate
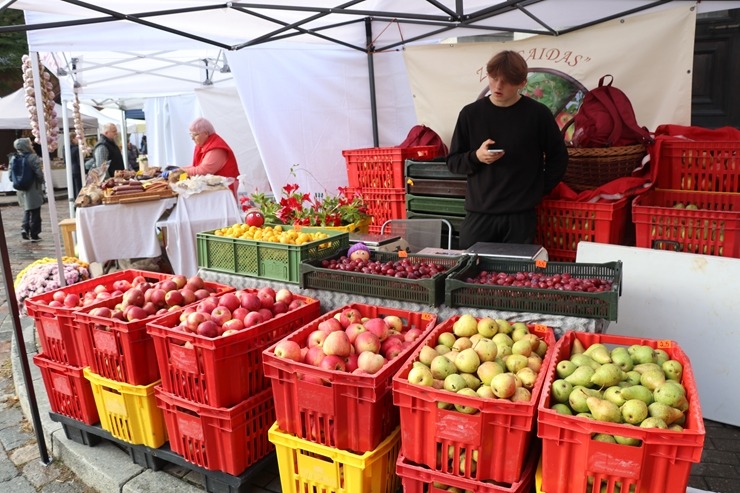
288	350
370	362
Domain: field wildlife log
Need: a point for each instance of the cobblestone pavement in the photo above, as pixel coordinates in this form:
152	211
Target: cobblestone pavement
21	469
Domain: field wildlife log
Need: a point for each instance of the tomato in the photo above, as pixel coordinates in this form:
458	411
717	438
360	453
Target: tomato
255	218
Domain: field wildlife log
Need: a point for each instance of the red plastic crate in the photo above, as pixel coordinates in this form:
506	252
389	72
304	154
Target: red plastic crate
70	393
570	457
419	479
122	351
707	166
382	167
713	229
219	439
502	432
338	409
221	371
60	339
382	204
561	224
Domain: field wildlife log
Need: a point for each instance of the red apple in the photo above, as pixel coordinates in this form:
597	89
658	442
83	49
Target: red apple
194	319
150	308
185	312
173	298
188	296
71	300
378	327
330	325
133	296
412	334
333	362
207	305
266	301
196	281
136	313
267	290
250	301
316	338
367	341
349	316
337	343
253	318
284	295
208	329
56	304
121	285
220	314
179	280
240	313
394	322
98	289
200	294
296	303
168	285
230	301
138	280
279	307
288	350
314	356
370	362
254	218
156	296
117	315
266	314
101	311
234	324
350	362
103	295
353	330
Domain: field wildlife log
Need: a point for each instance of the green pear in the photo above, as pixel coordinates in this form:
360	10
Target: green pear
642	354
487	370
442	367
502	350
462	408
667	413
427	354
603	437
467	361
673	370
593	347
485	392
454	382
600	354
681	421
486	349
560	390
577	347
643	367
675	427
503	326
516	362
637	392
654	423
621	358
632	377
577	398
583	360
604	410
471	380
585	415
528	377
607	375
582	376
561	408
502	338
522	346
465	326
614	394
669	394
565	368
444	405
487	327
652	379
632	442
519	330
521	394
660	357
634	411
541	349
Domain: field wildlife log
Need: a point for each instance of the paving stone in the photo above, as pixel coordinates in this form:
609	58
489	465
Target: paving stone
25	454
7	469
728	445
39	474
720	457
723	485
698	482
62	487
13	438
18	484
11	418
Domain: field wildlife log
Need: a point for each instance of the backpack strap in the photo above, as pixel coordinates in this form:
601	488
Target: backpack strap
608	103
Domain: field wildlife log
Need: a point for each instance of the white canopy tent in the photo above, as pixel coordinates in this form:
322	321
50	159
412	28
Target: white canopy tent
14	114
333	73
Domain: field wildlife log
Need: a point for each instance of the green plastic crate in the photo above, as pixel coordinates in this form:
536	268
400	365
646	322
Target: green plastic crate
435	205
459	293
430	169
425	291
265	260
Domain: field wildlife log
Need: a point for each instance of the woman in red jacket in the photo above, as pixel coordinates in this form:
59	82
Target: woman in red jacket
212	154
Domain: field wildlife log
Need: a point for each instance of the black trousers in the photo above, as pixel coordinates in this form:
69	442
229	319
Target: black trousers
519	227
32	222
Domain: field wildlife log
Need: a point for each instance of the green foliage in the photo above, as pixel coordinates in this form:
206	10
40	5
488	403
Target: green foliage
12	48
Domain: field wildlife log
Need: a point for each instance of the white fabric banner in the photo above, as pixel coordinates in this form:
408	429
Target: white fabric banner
307	104
167	121
655	76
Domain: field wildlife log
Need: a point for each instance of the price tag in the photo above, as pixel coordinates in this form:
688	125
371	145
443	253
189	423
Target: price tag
540	328
403	253
540	263
427	316
664	344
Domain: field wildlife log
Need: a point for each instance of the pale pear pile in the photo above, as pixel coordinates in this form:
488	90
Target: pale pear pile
483	358
635	385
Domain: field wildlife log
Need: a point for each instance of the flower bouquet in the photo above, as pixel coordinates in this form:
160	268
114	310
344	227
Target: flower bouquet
42	276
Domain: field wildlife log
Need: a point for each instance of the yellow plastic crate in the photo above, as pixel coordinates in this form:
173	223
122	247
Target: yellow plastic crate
128	412
309	466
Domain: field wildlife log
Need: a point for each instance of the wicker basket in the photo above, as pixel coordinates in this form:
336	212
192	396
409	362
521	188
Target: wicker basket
591	167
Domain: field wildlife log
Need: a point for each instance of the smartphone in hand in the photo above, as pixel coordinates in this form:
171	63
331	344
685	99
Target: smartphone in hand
492	149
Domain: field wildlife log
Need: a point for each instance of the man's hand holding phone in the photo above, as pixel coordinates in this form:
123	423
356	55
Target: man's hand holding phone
489	152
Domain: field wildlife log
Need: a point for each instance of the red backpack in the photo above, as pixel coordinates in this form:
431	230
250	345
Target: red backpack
606	119
421	135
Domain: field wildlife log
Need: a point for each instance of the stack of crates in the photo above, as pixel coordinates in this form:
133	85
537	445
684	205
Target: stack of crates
217	403
377	174
432	191
338	431
491	447
695	206
64	344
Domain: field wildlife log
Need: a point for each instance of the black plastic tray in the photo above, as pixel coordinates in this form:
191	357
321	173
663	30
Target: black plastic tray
430	169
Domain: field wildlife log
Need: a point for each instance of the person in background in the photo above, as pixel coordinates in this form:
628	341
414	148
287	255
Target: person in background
132	155
212	155
107	149
143	147
529	157
74	150
32	199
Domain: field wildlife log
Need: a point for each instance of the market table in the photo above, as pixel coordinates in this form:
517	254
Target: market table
204	211
331	300
114	231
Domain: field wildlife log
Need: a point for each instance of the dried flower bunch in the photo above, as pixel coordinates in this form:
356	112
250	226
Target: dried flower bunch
47	97
43	276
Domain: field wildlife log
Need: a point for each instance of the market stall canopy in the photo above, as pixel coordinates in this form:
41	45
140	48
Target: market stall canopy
14	114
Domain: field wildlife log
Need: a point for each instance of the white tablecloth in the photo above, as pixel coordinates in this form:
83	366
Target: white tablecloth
108	232
204	211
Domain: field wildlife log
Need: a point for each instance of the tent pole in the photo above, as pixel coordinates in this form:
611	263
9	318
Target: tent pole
68	159
371	78
124	139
